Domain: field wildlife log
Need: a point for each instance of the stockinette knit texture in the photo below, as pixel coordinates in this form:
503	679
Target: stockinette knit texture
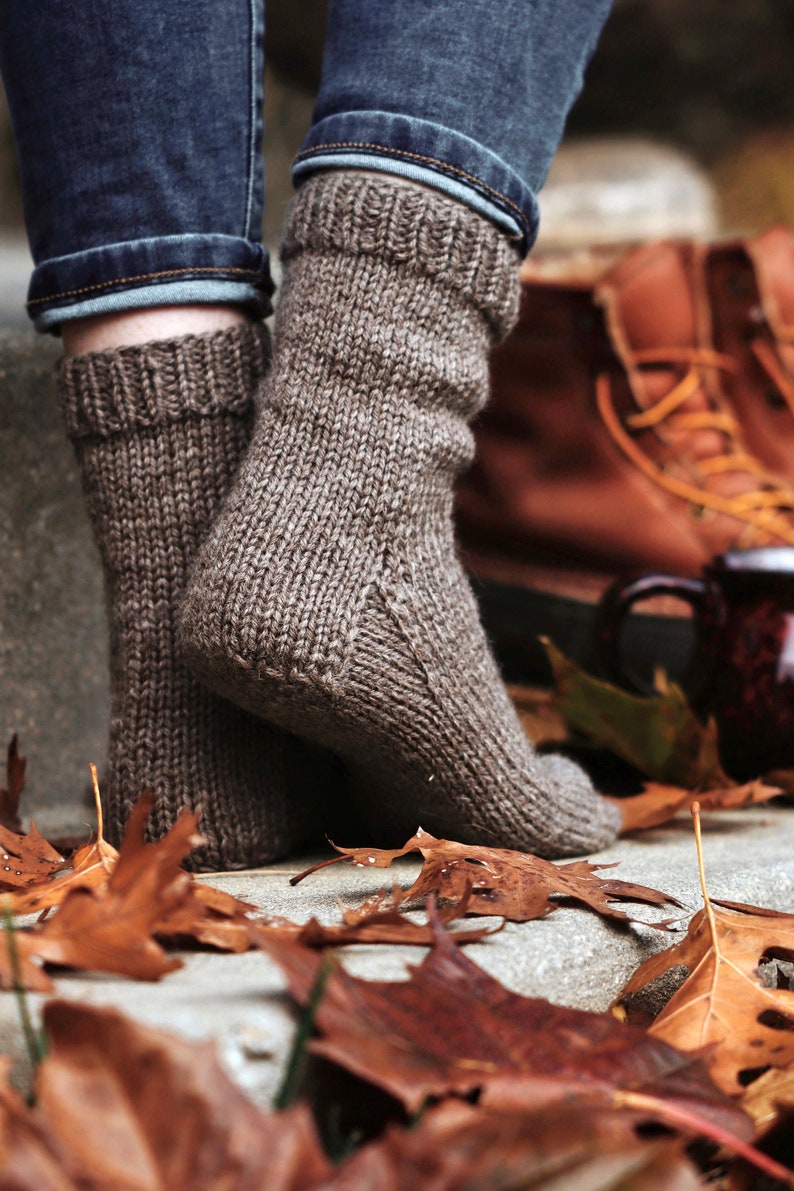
328	597
158	432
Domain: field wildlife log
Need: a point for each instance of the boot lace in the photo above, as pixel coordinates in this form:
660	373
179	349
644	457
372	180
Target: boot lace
761	506
771	362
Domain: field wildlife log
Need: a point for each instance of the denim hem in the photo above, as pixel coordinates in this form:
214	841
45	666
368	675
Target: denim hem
135	274
445	158
174	293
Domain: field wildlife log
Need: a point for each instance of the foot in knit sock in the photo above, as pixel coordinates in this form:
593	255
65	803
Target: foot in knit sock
328	598
158	432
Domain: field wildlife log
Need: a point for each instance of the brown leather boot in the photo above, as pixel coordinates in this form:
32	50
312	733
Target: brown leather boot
750	287
609	446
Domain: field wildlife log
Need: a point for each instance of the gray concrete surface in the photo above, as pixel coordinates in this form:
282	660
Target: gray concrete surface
572	957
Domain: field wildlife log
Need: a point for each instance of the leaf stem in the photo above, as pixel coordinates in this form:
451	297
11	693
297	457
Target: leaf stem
690	1122
288	1090
34	1041
97	802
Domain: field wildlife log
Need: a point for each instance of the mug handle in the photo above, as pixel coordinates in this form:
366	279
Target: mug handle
703	596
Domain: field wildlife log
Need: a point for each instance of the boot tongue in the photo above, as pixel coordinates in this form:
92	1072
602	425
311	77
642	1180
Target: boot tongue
653	298
772	254
651	304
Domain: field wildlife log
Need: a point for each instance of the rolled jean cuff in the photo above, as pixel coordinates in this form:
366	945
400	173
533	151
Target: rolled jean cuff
160	271
428	153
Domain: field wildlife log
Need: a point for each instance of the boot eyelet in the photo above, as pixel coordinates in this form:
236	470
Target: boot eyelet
774	399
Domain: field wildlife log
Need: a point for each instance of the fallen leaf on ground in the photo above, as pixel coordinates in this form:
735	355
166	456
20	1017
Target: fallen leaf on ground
660	735
516	1054
514	1051
29	1156
659	803
457	1146
768	1096
209	917
729	1007
26	859
89	866
377	921
130	1107
111	929
514	885
15	783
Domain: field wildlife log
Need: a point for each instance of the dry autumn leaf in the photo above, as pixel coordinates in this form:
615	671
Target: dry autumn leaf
210	918
457	1146
659	803
29	1156
515	1053
727	1008
660	735
514	885
376	921
15	783
26	859
111	929
133	1109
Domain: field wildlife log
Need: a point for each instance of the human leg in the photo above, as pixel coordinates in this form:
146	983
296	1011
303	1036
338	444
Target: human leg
329	598
143	210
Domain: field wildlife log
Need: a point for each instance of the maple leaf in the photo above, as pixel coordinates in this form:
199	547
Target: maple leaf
15	783
210	917
25	859
515	1052
726	1008
515	885
659	735
111	929
376	921
458	1146
130	1108
658	803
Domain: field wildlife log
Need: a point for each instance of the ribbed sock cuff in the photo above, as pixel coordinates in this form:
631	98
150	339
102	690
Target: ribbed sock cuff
170	380
426	233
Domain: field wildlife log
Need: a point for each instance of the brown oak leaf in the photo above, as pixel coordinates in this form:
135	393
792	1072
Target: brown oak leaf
26	859
111	929
130	1108
458	1146
209	917
515	885
727	1008
514	1052
29	1156
659	803
376	921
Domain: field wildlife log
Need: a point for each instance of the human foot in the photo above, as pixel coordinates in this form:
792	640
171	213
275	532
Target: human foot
158	431
328	597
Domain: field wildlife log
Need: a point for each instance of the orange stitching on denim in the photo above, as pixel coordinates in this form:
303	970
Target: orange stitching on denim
87	289
452	169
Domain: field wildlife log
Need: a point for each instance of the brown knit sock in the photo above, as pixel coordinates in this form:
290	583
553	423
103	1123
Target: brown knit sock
328	598
159	431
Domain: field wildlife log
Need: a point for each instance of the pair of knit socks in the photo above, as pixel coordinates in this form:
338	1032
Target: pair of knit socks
316	590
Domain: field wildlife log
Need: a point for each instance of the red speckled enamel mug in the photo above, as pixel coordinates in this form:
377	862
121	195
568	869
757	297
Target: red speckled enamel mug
742	665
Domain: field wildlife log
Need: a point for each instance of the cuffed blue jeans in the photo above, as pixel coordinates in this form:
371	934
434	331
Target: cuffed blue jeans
139	130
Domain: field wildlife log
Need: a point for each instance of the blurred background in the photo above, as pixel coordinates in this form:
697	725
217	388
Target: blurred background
709	78
685	127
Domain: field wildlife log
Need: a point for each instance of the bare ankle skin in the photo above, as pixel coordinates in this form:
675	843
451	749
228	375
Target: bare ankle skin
105	332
